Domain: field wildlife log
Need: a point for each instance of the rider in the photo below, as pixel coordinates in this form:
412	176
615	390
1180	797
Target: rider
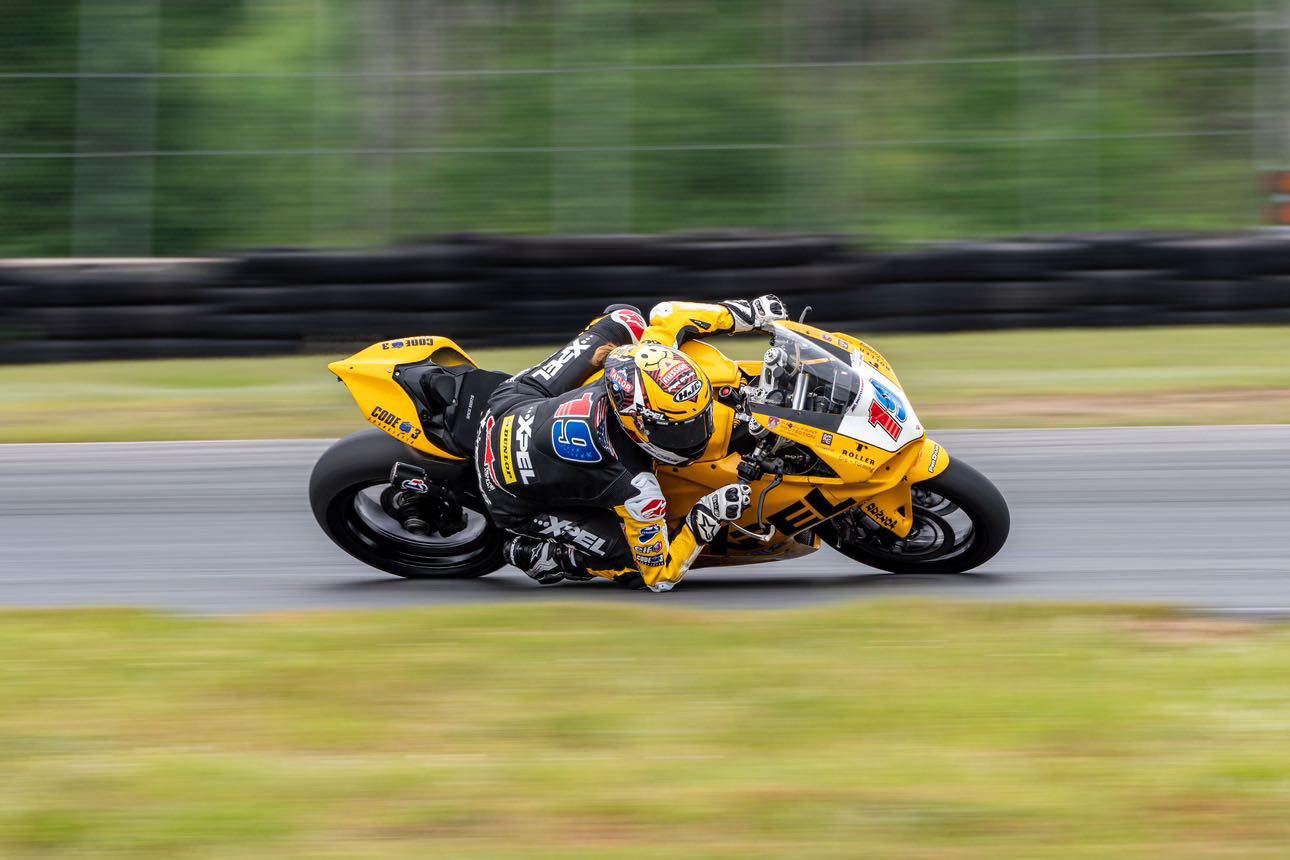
568	468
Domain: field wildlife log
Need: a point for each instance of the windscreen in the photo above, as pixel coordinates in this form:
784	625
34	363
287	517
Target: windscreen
831	384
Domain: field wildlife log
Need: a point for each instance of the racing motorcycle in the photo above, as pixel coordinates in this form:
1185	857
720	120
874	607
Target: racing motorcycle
820	429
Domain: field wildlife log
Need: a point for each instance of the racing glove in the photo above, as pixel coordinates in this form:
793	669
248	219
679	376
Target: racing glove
716	509
755	313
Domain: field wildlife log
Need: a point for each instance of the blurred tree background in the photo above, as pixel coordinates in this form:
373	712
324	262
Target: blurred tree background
178	127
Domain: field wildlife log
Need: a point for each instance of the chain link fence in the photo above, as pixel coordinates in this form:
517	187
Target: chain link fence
137	127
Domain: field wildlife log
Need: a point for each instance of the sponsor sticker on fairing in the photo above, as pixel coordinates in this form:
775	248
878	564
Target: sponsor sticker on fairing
890	400
387	420
409	341
858	455
886	410
880	417
880	516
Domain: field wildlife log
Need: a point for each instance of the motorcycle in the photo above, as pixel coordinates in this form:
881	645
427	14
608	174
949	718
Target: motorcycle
820	429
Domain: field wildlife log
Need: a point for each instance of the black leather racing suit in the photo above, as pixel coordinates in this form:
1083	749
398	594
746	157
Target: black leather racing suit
554	464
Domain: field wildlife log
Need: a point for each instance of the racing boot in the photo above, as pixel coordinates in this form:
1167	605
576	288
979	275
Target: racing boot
545	561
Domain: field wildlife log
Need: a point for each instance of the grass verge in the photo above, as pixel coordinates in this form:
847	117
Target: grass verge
899	729
1211	375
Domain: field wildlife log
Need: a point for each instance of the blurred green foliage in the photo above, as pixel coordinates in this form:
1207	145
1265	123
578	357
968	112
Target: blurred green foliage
300	122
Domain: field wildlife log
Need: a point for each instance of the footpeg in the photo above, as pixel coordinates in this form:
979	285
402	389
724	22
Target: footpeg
420	507
410	478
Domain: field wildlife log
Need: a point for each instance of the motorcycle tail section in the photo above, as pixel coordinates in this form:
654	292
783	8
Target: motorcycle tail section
405	386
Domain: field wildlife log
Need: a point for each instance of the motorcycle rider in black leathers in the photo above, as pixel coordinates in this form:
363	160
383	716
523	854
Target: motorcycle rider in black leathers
568	467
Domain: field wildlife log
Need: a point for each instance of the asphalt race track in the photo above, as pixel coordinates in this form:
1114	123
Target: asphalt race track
1197	516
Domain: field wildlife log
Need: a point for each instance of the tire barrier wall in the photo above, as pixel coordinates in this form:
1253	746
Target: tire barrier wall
485	290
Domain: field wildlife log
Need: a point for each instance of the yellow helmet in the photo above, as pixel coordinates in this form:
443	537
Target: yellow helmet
662	399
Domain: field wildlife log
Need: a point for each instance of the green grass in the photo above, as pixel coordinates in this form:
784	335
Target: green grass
1029	378
888	729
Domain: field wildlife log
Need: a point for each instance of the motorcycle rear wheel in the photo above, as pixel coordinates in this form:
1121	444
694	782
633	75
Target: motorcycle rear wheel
345	494
960	522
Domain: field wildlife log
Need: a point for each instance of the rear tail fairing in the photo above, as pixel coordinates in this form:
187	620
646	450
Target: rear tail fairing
394	386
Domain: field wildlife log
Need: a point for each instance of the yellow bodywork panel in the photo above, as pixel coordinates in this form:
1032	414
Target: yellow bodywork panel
720	370
878	482
893	507
369	376
932	461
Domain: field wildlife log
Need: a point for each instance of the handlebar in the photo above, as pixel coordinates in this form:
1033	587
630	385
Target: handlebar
751	468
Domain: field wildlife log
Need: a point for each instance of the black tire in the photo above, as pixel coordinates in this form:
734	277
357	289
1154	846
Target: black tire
344	492
967	491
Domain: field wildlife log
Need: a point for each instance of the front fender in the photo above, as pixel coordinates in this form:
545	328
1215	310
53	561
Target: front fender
932	461
893	508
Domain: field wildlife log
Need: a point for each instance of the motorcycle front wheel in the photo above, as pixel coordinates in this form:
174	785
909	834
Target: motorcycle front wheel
347	491
960	522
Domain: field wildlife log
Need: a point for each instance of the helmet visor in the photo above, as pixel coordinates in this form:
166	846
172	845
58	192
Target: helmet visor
688	438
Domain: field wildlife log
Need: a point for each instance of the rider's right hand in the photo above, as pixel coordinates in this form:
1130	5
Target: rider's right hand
758	313
721	506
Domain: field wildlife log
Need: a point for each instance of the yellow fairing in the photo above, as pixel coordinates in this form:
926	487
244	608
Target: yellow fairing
369	376
719	369
799	503
877	482
932	460
721	372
